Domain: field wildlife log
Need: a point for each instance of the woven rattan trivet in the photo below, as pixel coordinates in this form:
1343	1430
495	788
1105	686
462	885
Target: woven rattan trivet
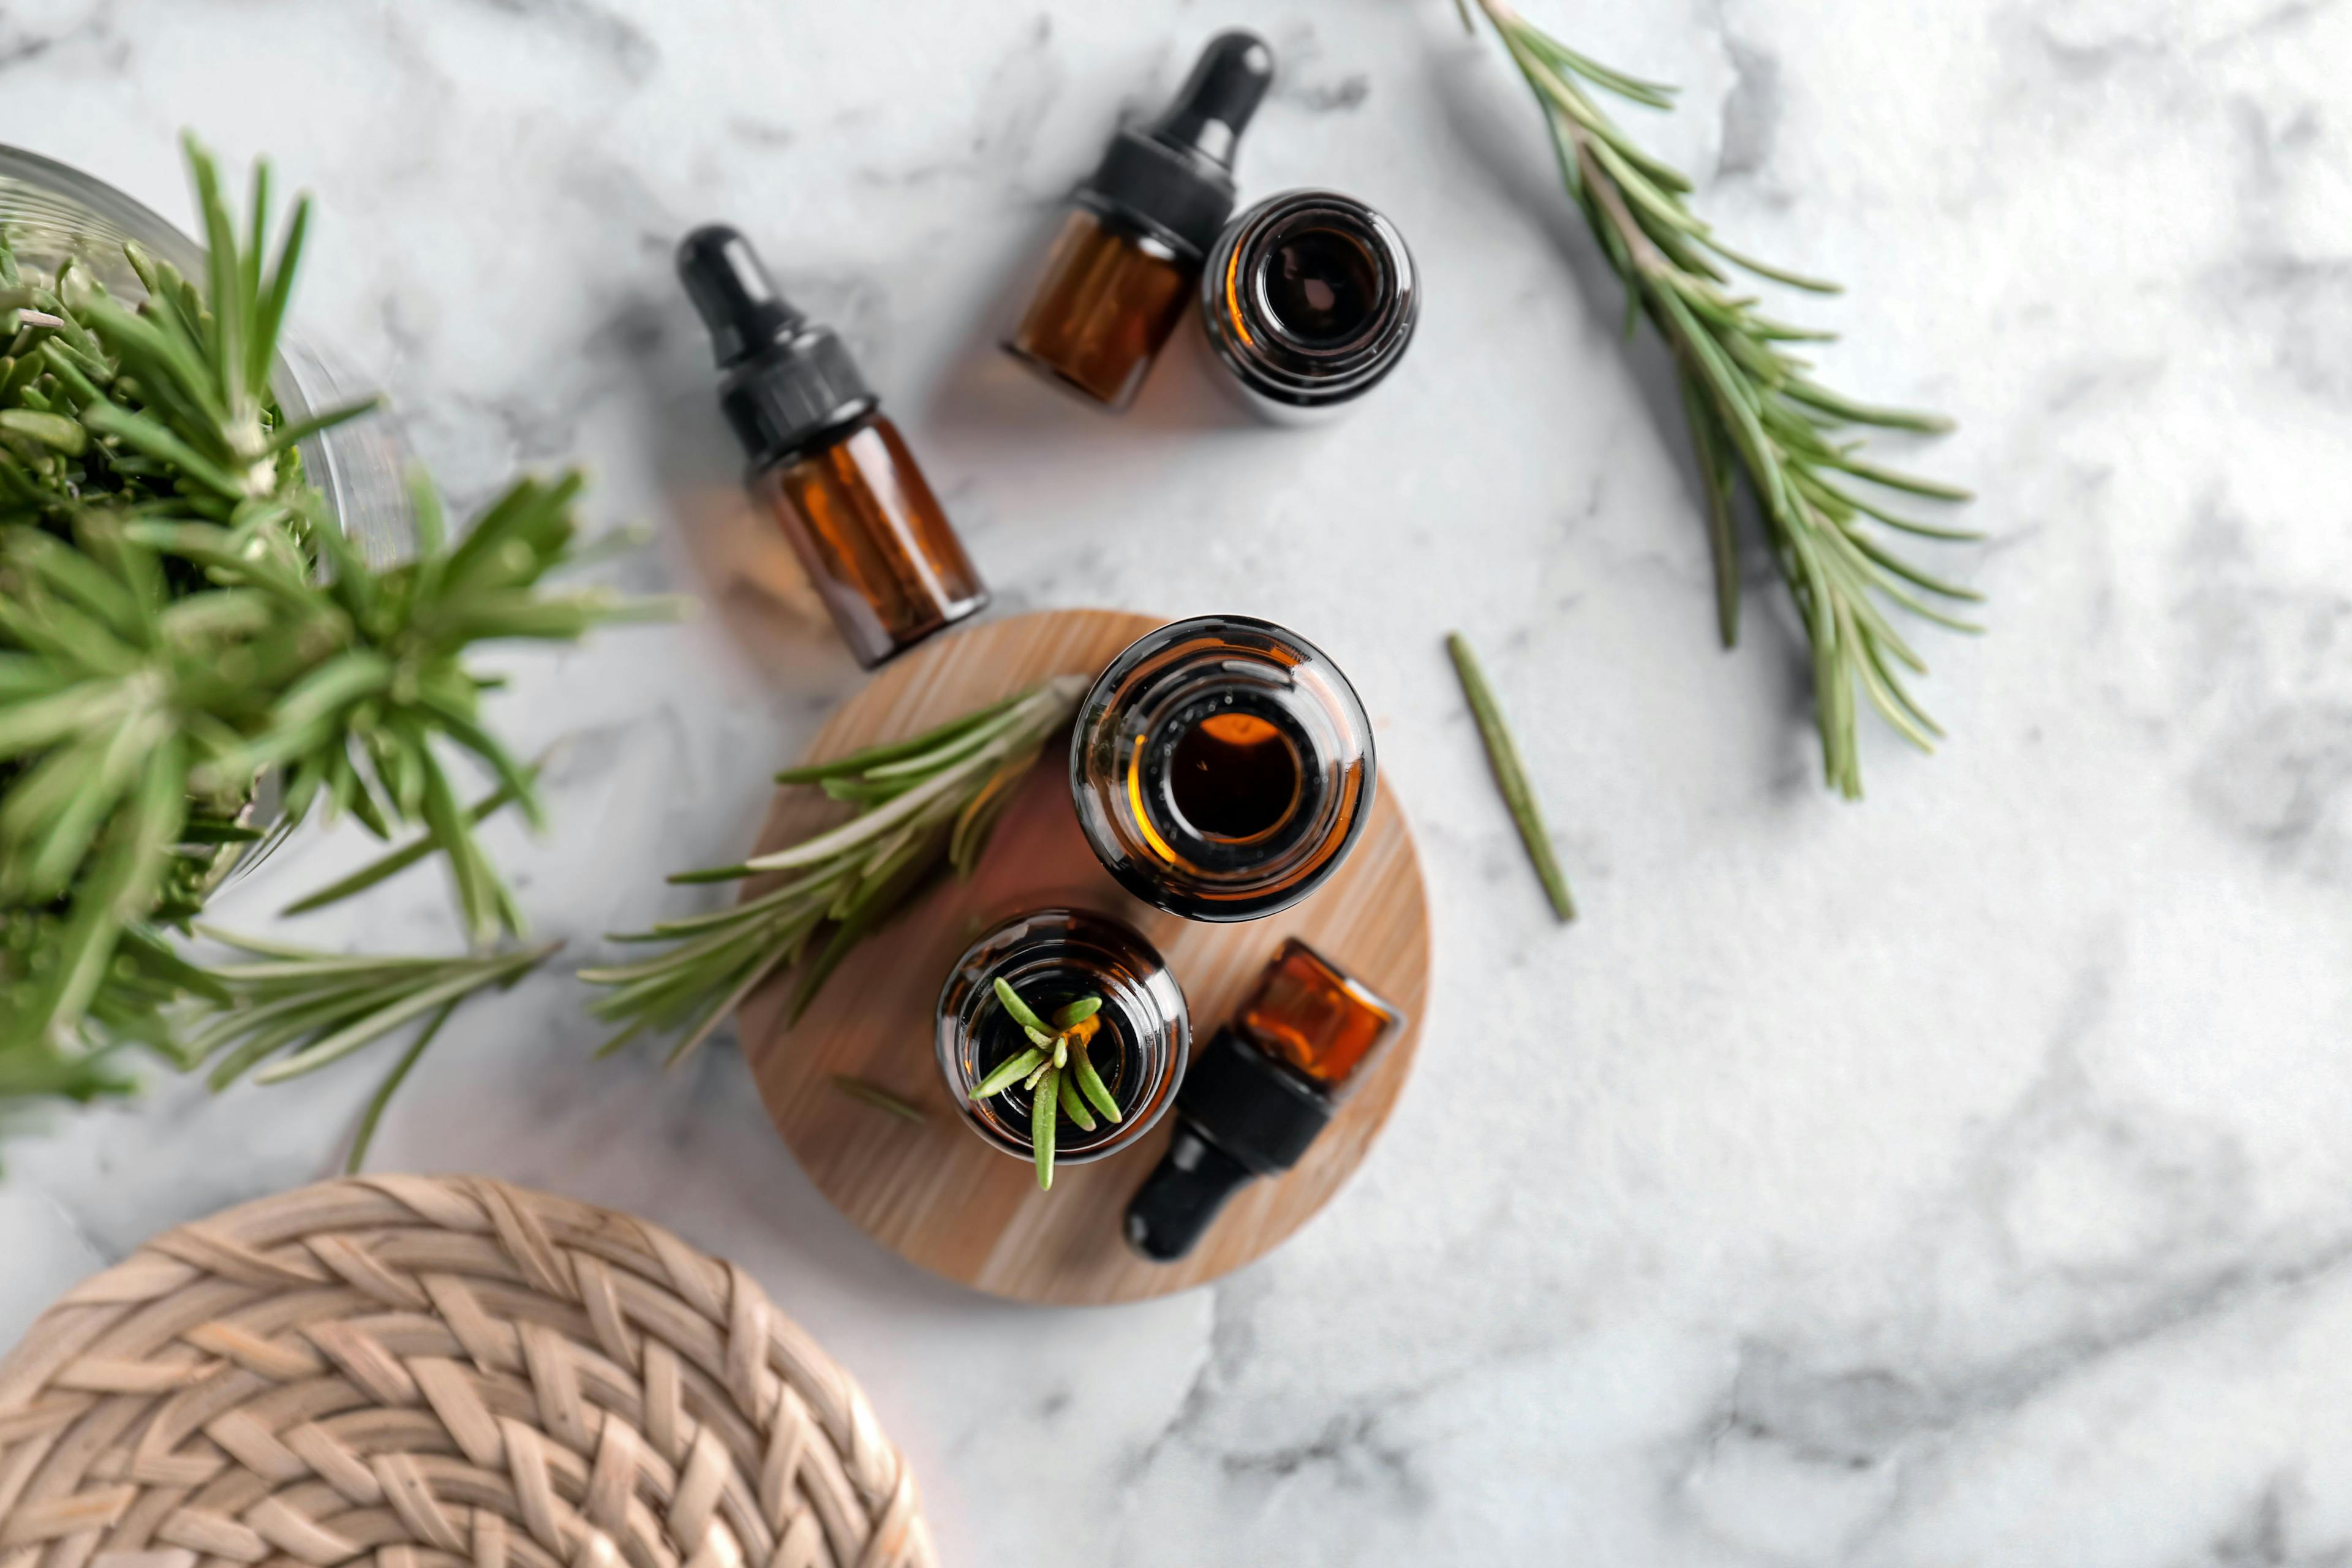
410	1371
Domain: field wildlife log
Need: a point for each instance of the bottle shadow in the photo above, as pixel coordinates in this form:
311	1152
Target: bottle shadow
746	571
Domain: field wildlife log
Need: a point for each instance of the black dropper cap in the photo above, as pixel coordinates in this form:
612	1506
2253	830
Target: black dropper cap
1175	175
789	383
1241	1114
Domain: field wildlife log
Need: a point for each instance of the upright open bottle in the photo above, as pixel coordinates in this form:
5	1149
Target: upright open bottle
835	475
1222	768
1131	253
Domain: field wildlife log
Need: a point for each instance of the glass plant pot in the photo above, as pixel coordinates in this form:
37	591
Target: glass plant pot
51	211
1053	957
1222	768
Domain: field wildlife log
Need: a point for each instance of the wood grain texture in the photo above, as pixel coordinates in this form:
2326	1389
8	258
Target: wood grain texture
936	1195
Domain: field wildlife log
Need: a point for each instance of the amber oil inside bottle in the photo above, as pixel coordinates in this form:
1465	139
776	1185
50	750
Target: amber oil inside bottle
873	539
1104	307
1314	1019
1234	775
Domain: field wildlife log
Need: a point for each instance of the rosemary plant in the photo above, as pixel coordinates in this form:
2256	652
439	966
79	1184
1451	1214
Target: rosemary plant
925	806
1055	1071
180	615
1753	408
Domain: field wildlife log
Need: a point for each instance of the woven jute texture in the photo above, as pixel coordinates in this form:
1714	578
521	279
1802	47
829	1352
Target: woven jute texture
411	1371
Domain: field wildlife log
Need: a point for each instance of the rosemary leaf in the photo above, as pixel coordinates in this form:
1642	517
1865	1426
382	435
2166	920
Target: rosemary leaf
1510	775
1009	1072
1072	1105
1091	1085
880	1099
1045	1116
1022	1013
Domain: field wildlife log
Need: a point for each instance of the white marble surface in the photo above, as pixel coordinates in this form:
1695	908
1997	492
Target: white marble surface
1959	1178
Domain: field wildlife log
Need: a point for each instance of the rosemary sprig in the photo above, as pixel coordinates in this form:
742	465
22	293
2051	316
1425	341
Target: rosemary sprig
1754	409
1055	1071
309	1009
925	804
417	851
1511	774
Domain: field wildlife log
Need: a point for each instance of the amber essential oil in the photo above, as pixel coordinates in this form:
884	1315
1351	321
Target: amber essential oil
1234	775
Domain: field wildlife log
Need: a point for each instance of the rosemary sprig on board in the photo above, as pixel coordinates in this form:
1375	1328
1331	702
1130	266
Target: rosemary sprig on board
1754	409
880	1099
925	804
1055	1071
1511	774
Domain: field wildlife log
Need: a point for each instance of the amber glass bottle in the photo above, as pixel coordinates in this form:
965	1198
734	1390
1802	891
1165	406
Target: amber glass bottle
1222	768
834	473
1128	258
1052	956
1259	1093
1308	301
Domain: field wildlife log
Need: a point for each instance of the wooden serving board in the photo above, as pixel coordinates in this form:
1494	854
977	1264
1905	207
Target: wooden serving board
937	1195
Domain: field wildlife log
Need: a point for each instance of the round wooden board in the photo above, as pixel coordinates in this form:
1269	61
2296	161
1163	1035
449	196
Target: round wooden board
937	1195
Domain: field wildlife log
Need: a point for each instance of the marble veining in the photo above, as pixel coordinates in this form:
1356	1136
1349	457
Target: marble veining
1956	1178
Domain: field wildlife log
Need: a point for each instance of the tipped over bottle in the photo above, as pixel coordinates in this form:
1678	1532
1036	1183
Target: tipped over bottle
1131	253
835	474
1260	1093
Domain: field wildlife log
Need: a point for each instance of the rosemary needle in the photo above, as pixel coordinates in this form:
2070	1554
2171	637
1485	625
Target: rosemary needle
1510	775
1055	1068
880	1099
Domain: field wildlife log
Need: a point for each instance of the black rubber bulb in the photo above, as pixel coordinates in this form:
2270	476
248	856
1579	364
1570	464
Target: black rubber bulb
731	290
1227	84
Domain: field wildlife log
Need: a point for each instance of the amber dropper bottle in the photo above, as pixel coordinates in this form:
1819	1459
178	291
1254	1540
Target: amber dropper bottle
1129	254
834	473
1266	1085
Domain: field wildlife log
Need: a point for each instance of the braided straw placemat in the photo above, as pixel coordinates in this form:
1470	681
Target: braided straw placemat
411	1371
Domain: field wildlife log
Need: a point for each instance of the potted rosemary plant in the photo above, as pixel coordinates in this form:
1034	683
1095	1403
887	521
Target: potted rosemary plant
182	615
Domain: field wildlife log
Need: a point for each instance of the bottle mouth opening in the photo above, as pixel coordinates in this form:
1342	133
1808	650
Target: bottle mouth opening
1231	780
1310	297
1222	768
1319	285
